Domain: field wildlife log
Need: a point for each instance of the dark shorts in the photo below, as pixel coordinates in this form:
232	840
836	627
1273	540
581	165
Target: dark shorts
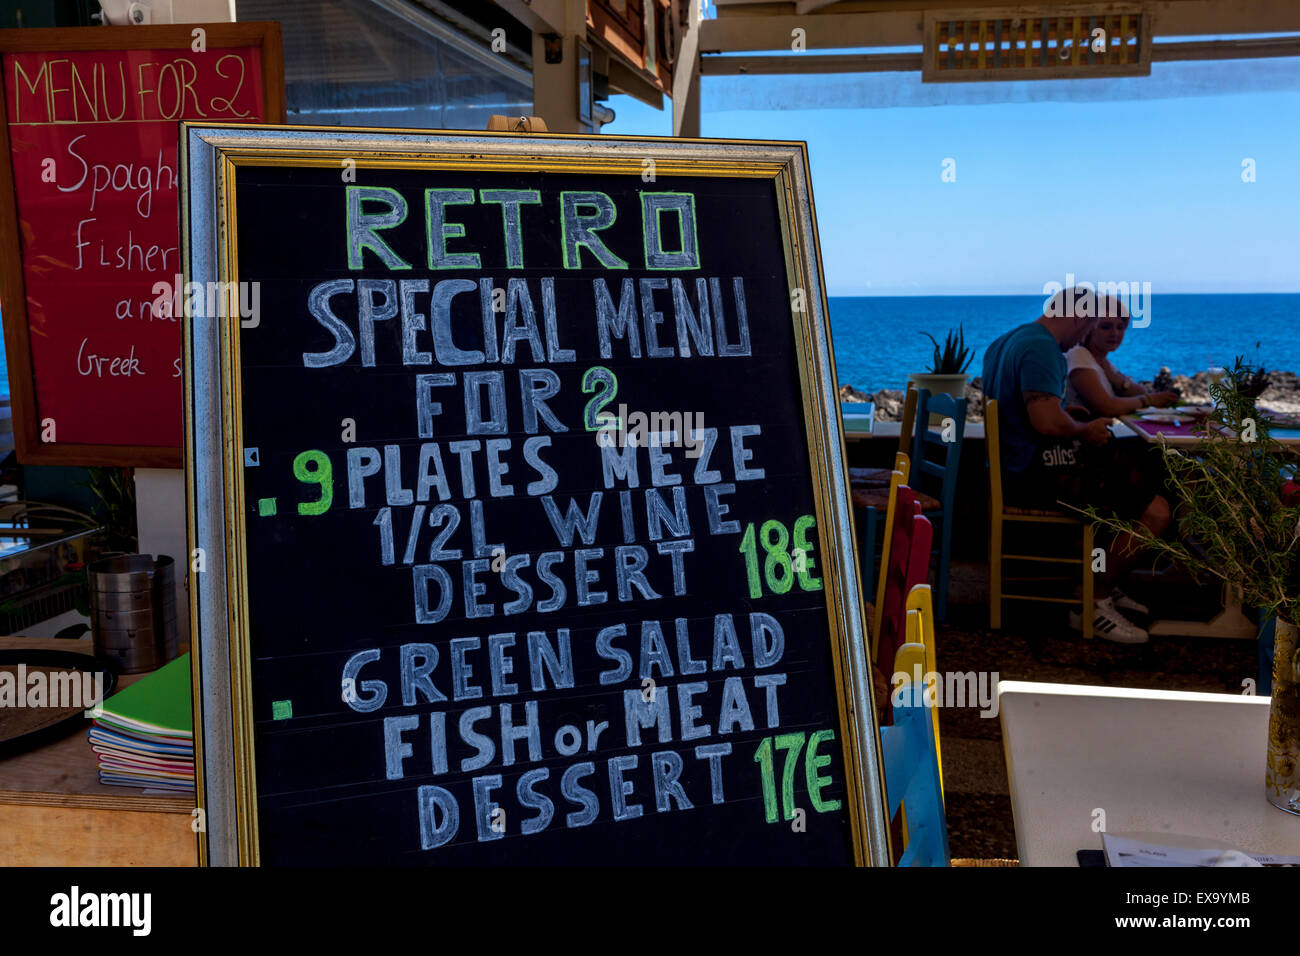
1120	478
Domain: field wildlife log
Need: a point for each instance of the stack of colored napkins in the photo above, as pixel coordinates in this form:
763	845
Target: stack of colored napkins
145	735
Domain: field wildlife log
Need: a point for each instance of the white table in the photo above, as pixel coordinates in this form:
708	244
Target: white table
1157	762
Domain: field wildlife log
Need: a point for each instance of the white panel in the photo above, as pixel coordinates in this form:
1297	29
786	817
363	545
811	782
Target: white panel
160	521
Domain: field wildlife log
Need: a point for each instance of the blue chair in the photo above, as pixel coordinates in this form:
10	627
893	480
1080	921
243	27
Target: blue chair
934	471
912	776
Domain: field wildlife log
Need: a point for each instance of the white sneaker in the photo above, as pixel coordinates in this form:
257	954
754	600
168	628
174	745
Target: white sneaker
1108	623
1126	603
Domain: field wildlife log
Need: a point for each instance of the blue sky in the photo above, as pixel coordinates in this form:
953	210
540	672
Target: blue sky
1137	190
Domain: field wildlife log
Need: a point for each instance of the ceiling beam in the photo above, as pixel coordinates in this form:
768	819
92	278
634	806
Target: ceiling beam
625	79
814	63
540	16
858	23
734	34
1226	49
808	6
741	65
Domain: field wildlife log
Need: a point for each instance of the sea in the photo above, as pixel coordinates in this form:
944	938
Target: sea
879	342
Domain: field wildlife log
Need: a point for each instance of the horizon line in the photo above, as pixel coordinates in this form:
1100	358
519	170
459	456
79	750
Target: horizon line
967	295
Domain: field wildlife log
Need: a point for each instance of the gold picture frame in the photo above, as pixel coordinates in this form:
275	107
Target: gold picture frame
210	159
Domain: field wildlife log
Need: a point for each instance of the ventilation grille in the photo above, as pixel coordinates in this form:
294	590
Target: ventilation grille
1025	43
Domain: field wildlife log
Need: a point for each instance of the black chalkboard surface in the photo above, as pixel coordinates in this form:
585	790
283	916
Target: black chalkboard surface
532	564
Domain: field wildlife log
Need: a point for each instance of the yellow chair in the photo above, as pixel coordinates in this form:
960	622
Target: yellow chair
933	836
920	622
920	633
909	656
919	609
869	500
1002	513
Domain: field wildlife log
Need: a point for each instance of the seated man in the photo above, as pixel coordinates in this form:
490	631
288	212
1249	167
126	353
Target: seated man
1050	459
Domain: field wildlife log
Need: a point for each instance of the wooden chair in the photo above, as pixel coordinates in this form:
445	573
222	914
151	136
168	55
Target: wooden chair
912	776
920	622
920	632
903	591
1002	513
908	565
879	477
869	505
936	461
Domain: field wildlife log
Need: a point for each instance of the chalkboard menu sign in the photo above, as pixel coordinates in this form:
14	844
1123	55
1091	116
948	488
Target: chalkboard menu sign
520	521
88	224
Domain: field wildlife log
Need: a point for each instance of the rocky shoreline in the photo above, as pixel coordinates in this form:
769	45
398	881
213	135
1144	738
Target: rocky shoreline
1282	395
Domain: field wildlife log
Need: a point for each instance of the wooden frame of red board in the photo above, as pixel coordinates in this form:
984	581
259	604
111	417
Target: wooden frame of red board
13	299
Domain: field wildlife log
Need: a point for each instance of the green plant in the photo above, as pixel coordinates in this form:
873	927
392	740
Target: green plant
955	357
114	491
1257	384
1238	519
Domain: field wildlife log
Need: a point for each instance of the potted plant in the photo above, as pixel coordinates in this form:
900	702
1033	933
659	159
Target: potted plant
1239	521
947	375
114	491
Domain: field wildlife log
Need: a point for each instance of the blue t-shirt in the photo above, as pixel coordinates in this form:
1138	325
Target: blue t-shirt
1026	359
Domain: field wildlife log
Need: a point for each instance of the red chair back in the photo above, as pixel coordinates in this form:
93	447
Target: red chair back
909	565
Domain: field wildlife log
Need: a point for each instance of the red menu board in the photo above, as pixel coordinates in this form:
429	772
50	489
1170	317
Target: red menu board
89	228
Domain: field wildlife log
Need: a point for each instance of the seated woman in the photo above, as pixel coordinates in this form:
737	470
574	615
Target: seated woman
1096	384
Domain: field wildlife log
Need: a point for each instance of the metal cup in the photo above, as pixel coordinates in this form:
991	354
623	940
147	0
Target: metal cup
133	610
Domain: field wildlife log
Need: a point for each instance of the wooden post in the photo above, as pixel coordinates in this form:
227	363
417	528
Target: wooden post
555	69
686	79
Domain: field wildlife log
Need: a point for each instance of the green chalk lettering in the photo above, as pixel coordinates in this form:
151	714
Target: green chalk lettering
653	206
314	468
791	744
605	383
363	228
816	782
806	580
749	549
763	757
510	200
578	231
438	230
775	538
